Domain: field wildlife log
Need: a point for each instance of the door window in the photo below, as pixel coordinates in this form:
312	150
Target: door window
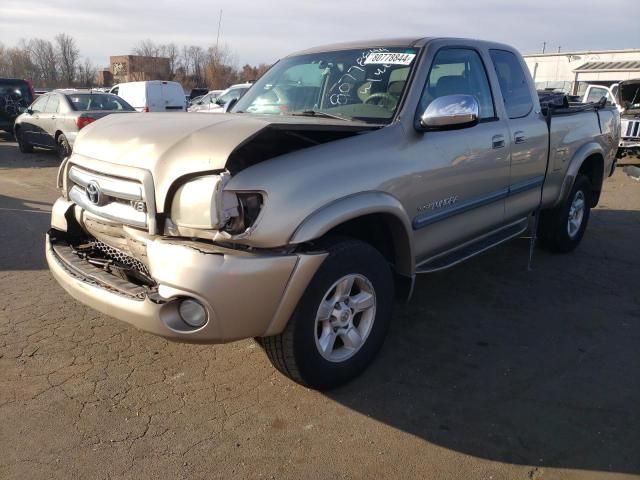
459	71
513	83
39	105
52	104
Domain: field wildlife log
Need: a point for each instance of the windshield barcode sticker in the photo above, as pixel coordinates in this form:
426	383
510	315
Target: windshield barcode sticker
385	58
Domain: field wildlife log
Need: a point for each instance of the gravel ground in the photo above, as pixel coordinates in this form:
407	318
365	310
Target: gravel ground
491	372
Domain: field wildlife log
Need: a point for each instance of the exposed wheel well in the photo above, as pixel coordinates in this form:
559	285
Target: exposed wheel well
387	234
593	169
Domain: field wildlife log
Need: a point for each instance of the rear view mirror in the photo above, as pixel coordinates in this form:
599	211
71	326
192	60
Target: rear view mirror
451	111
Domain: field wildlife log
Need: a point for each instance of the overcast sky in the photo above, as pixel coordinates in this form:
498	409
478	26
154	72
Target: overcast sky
264	30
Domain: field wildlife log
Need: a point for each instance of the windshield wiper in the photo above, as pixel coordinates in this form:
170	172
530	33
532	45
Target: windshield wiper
318	113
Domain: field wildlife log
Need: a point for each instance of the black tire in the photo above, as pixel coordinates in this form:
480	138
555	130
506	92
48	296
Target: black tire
553	229
295	352
23	145
63	148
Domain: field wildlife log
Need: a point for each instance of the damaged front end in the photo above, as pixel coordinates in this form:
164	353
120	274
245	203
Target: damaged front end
155	282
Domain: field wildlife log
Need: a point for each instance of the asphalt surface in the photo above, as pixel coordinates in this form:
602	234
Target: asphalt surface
491	372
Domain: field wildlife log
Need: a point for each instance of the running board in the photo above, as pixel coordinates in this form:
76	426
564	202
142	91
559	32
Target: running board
472	248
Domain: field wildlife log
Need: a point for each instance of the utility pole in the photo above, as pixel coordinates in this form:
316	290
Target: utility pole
218	37
544	46
559	48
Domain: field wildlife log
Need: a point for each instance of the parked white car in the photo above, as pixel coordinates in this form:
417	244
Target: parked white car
205	101
220	104
152	95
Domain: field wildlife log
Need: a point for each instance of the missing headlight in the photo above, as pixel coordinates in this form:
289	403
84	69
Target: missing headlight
250	205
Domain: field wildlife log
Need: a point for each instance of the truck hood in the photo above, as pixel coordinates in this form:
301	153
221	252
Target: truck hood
172	145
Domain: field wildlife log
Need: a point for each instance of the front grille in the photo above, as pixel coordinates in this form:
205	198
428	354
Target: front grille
630	128
112	198
120	257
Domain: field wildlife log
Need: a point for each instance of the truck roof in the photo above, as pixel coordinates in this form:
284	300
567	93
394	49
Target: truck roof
407	42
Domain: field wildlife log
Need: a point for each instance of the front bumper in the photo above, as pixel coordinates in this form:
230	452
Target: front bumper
245	294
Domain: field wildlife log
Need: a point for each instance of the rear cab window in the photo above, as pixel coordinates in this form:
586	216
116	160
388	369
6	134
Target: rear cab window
513	83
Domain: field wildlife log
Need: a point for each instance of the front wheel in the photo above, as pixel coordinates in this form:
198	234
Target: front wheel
23	144
62	147
341	320
562	228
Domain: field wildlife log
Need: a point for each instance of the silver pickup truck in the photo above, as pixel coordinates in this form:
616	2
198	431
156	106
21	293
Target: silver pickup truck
300	225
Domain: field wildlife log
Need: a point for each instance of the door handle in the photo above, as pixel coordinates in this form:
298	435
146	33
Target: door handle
519	137
497	141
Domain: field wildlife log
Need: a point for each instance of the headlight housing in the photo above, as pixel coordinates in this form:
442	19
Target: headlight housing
203	204
249	206
196	203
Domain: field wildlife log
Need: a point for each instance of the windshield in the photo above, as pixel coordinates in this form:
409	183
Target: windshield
85	102
364	84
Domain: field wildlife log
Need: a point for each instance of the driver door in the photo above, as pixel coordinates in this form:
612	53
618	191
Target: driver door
461	176
31	125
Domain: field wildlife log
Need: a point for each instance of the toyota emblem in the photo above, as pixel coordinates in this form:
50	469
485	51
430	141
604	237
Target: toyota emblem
93	192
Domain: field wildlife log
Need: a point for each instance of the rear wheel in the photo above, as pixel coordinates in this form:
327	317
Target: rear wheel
62	147
23	144
341	320
562	228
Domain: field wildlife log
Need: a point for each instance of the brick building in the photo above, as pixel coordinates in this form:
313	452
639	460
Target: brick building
133	68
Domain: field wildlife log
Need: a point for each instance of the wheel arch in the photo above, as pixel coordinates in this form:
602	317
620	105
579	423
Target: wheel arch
588	160
375	217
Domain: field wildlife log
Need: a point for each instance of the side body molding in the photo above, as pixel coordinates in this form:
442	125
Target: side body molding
584	152
358	205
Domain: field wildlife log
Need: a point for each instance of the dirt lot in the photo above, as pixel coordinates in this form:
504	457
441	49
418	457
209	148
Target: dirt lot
491	372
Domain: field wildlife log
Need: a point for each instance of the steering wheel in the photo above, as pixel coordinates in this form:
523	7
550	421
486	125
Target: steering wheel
385	100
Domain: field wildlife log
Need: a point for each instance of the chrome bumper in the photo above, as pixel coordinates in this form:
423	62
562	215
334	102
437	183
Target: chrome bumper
245	295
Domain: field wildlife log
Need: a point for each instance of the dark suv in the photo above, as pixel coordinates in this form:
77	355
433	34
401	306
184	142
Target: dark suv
15	95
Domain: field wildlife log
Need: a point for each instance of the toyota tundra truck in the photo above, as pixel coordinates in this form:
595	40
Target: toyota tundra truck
301	216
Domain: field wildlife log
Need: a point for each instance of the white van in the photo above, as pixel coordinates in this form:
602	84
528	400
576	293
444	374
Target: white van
152	95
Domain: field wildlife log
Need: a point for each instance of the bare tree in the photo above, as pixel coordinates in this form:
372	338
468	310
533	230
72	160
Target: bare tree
68	55
20	63
87	72
44	58
147	48
5	63
170	51
220	69
196	61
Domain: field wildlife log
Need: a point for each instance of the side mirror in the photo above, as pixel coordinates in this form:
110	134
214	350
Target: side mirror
451	111
230	104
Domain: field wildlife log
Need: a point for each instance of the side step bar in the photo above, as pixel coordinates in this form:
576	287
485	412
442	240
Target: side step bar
472	248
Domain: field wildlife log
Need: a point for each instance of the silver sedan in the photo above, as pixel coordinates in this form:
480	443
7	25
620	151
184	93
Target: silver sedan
54	120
